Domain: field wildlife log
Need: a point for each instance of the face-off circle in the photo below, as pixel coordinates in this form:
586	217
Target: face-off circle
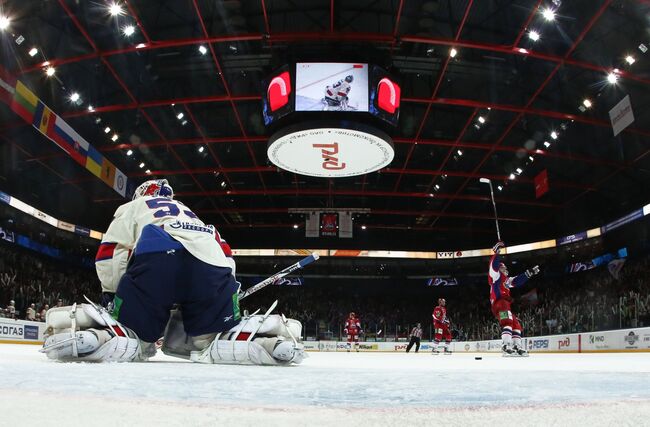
330	151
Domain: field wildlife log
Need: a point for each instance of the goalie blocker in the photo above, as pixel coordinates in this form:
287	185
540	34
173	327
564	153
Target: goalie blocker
88	333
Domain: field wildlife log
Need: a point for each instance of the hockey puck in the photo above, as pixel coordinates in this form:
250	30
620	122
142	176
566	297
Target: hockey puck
478	358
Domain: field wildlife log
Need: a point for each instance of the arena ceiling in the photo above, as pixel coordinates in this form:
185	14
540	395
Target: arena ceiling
182	94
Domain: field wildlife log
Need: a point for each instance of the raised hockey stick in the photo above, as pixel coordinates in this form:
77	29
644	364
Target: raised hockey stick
494	205
280	274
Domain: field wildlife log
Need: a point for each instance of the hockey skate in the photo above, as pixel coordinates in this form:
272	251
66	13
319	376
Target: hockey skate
508	351
519	352
447	351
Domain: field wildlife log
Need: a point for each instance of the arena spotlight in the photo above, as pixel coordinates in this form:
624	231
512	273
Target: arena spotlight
460	153
481	119
437	187
201	149
630	59
587	103
128	30
548	14
32	52
519	171
4	22
453	52
129	153
295	226
74	97
115	9
107	129
612	78
547	144
203	50
554	135
91	108
148	171
500	187
141	165
533	35
512	176
114	137
363	227
49	71
180	116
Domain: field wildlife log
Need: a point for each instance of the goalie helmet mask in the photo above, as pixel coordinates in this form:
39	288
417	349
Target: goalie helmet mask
349	79
154	188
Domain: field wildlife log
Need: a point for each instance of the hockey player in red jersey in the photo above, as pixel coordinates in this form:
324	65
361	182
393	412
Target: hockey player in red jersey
441	327
353	330
500	284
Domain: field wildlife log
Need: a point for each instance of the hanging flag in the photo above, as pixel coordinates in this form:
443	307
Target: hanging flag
70	141
541	184
120	182
43	118
108	172
94	161
24	102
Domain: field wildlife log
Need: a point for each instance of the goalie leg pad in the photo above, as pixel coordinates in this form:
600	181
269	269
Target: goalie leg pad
260	351
90	334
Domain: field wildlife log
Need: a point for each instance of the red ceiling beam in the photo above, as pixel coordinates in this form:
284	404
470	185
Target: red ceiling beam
469	121
353	193
372	211
82	30
528	21
137	21
272	169
433	142
302	37
267	27
222	76
575	44
441	77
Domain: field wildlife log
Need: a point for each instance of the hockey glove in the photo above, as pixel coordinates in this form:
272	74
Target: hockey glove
532	271
498	246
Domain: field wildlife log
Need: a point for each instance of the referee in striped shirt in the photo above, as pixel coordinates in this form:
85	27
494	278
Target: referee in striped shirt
416	335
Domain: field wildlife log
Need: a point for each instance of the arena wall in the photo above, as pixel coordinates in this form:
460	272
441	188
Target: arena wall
623	340
21	331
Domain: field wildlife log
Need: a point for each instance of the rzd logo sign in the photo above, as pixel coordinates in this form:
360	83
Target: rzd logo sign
329	151
564	343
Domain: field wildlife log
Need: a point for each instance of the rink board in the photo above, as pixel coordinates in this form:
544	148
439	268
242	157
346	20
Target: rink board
617	341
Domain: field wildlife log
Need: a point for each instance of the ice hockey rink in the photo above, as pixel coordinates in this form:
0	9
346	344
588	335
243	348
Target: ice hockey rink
330	389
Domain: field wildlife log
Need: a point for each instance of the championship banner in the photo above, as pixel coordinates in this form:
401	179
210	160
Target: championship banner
541	184
329	224
33	111
440	281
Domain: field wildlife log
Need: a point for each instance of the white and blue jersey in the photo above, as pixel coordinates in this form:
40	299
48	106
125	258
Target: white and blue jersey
128	233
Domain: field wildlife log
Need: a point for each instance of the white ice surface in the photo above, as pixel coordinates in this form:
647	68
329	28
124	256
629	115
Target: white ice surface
330	389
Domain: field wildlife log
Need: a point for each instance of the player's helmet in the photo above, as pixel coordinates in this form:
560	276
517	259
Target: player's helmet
441	301
154	187
352	314
349	79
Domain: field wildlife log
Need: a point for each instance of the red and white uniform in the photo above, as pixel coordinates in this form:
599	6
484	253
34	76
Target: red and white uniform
352	329
338	91
201	240
441	324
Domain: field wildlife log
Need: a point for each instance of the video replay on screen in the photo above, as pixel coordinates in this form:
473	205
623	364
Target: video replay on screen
331	86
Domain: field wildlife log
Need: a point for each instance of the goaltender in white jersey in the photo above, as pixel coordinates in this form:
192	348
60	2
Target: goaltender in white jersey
157	255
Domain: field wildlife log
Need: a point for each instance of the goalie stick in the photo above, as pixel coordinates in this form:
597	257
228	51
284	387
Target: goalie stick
280	274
